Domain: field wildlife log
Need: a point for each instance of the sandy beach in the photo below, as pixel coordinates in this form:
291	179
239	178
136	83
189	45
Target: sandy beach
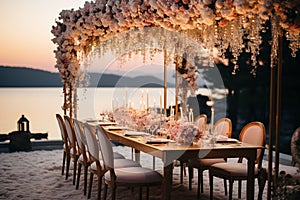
37	175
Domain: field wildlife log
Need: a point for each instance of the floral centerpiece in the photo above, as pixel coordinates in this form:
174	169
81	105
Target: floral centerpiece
136	119
183	132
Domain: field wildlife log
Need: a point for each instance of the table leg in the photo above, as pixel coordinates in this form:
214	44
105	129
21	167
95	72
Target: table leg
167	182
250	180
137	155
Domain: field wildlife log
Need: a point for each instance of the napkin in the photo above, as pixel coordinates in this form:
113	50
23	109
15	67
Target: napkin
227	140
159	141
134	133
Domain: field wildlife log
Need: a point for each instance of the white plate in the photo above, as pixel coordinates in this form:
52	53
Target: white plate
107	123
134	133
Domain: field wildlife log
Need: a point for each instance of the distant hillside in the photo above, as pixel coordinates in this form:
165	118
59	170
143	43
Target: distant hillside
28	77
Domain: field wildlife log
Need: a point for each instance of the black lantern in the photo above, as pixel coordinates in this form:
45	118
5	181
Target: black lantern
23	124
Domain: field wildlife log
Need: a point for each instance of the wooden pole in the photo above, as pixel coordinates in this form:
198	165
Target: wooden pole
271	128
176	89
65	99
70	100
165	82
278	107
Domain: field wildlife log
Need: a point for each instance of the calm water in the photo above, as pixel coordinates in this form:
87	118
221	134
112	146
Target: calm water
39	105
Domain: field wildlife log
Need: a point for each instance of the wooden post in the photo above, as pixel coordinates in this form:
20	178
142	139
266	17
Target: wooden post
65	98
278	107
271	129
70	100
165	81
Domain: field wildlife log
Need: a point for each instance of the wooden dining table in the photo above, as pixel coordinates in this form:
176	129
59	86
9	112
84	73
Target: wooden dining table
168	152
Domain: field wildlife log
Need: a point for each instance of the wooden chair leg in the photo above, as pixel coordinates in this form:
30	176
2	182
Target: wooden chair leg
113	192
230	188
68	166
141	193
225	187
74	171
262	178
78	175
211	188
191	174
63	164
147	193
99	187
181	172
239	189
105	191
198	185
90	185
200	174
85	179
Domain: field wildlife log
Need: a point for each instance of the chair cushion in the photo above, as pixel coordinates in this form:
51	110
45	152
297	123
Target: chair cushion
119	163
231	169
118	156
204	162
135	175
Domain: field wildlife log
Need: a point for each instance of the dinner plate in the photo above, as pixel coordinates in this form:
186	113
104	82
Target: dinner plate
159	141
111	128
91	120
107	123
227	140
134	133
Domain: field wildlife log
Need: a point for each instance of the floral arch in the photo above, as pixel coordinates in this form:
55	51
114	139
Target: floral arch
224	24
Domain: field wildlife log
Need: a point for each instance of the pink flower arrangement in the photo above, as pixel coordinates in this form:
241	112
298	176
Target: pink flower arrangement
182	132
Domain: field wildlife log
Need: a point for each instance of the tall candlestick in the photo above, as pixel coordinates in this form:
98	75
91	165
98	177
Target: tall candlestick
212	116
126	96
147	99
160	102
192	115
181	113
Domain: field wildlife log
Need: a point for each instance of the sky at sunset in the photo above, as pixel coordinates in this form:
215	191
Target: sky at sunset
25	37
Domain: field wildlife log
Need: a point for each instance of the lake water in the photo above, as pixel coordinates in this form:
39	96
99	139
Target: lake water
39	105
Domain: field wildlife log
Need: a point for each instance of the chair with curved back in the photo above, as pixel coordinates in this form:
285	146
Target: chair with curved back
224	127
74	153
64	136
83	159
252	133
201	121
96	166
130	176
295	148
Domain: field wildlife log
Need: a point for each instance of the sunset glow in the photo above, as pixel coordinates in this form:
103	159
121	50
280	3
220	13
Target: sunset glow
25	37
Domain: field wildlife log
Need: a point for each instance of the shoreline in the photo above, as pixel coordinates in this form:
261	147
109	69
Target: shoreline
49	145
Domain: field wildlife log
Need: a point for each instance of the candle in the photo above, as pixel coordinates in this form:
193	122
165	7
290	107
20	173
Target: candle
160	101
147	99
181	113
154	105
192	115
126	96
212	116
113	104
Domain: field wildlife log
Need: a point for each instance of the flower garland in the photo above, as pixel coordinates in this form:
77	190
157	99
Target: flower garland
208	22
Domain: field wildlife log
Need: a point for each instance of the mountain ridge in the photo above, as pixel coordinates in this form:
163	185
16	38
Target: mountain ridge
29	77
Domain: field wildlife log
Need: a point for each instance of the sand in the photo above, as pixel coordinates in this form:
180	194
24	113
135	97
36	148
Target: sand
37	175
